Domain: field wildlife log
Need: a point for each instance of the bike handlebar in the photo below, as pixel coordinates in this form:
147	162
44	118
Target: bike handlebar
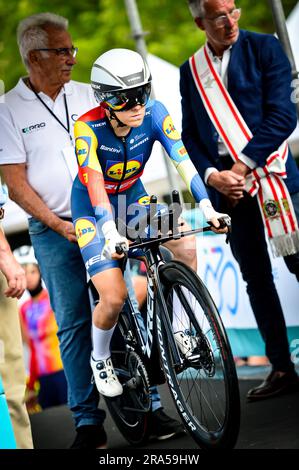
165	223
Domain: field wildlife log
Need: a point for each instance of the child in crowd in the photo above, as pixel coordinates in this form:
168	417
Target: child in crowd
39	330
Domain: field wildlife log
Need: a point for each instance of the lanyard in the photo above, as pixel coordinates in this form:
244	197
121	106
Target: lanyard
67	128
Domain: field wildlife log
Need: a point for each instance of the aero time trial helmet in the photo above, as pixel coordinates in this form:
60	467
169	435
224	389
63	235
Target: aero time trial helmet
121	79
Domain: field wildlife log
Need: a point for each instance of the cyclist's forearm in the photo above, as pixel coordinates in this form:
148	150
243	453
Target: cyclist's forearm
193	181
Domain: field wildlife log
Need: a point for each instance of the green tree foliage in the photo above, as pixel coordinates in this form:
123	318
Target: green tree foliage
98	25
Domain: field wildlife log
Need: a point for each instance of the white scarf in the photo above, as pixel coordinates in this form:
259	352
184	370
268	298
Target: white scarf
267	183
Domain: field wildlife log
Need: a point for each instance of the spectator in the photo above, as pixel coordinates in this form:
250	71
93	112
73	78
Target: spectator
40	333
12	371
237	114
39	164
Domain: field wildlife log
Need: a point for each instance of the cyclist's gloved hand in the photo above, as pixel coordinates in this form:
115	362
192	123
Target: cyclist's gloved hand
112	238
212	216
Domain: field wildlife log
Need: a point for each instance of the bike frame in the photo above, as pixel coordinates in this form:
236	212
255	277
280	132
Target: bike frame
153	260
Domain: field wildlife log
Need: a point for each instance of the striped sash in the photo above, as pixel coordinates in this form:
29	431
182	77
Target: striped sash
267	183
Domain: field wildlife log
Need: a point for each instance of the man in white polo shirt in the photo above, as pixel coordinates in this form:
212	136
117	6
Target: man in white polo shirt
38	163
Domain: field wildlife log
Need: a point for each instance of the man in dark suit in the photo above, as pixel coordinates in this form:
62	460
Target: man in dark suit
256	73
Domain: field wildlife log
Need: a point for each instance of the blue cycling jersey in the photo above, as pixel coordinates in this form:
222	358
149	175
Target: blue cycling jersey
111	166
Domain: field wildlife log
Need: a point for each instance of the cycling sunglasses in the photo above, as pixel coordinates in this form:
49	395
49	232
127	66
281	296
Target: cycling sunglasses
125	100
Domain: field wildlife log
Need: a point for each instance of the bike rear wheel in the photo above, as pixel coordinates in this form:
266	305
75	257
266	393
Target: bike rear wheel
203	380
130	411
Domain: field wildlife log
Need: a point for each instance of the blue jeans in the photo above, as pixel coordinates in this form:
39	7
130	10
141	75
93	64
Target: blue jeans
64	274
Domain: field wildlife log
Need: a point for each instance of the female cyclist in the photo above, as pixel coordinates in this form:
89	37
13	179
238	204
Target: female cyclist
113	143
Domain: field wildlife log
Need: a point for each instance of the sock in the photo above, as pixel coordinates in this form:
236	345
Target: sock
101	343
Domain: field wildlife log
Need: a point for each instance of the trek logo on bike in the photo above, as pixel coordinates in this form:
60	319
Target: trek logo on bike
150	304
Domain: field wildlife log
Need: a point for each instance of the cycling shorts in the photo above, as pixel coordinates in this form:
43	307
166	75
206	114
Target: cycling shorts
128	208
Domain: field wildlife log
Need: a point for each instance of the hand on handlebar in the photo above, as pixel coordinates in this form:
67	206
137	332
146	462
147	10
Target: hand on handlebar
115	245
220	223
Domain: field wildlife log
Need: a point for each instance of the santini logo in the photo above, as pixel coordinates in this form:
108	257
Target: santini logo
35	127
109	149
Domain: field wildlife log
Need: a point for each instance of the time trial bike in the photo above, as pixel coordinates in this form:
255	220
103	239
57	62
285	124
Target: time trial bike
183	336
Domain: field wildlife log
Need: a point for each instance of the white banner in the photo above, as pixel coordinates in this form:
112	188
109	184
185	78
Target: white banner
220	272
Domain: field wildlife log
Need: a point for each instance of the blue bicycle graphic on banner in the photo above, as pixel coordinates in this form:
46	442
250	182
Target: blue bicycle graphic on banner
222	279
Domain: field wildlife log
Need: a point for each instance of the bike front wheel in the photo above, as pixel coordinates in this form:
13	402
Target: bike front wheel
197	358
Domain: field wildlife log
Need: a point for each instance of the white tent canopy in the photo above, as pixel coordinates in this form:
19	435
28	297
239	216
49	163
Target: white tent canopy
293	30
166	89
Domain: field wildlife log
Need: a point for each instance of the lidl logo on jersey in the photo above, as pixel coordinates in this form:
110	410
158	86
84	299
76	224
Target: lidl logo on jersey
169	129
144	201
82	150
115	170
85	231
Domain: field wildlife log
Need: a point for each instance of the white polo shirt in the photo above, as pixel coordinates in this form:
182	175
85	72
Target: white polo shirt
30	134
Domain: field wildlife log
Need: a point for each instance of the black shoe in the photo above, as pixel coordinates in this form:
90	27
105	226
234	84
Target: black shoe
163	426
90	437
275	384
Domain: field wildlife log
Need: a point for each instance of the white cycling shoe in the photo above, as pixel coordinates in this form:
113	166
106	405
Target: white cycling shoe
105	378
185	343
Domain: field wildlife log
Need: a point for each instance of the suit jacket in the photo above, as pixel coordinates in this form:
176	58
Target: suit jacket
259	82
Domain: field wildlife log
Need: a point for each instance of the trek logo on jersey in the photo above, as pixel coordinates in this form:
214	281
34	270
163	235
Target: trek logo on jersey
98	124
93	260
169	129
115	170
82	150
33	128
112	187
85	230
